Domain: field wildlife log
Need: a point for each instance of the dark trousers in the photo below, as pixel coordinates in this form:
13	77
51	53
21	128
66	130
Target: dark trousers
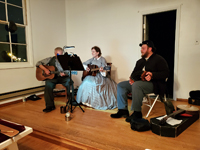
50	85
138	90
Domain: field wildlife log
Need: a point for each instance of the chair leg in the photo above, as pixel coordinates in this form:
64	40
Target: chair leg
165	97
152	106
149	99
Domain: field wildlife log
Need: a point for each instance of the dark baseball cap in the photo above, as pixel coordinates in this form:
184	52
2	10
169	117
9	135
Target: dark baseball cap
148	43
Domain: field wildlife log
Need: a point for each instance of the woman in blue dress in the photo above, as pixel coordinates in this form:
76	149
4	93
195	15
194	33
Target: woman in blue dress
99	92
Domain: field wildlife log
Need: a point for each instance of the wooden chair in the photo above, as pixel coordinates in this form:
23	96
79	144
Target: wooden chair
109	72
59	90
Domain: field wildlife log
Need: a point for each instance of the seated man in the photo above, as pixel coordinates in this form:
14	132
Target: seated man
62	78
156	72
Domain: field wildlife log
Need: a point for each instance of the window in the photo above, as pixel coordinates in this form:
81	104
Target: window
14	29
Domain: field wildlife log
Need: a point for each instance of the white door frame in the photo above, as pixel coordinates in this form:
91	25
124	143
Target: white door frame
177	33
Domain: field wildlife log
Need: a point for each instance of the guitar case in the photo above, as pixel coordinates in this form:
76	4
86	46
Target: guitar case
167	130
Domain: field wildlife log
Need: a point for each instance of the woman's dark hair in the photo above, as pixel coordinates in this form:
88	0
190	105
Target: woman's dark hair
97	49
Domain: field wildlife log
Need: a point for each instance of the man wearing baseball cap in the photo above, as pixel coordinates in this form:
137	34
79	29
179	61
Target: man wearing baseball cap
154	70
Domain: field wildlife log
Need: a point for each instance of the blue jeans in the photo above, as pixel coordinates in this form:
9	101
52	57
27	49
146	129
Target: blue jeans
138	90
50	85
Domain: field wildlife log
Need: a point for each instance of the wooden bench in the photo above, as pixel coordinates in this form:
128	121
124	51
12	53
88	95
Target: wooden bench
11	144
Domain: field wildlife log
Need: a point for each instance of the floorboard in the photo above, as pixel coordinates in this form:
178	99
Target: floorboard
94	129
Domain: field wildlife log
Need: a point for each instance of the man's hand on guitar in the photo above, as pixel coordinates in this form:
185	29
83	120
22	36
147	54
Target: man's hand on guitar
87	69
131	81
148	76
62	74
47	72
101	69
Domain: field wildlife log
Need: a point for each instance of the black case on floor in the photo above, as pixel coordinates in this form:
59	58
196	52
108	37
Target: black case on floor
194	101
172	131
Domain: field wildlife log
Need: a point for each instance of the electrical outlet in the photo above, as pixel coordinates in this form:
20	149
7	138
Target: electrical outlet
196	42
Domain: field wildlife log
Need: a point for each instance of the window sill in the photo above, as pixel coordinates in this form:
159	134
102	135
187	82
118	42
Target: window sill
15	65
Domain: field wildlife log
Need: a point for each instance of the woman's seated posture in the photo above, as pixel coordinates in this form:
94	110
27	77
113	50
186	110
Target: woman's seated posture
99	92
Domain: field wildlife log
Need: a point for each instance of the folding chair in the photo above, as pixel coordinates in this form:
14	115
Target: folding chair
150	104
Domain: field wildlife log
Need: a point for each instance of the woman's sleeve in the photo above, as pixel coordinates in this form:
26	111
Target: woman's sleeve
103	62
87	62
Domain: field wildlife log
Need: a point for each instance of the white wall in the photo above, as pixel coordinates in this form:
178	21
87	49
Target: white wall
115	26
48	31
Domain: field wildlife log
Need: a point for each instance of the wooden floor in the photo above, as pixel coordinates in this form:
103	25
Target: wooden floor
43	141
92	129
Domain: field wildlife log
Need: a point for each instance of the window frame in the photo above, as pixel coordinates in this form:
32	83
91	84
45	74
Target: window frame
27	25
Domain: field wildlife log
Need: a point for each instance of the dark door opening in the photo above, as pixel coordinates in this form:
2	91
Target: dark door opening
160	28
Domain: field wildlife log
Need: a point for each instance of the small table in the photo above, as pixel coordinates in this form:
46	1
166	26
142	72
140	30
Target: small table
11	144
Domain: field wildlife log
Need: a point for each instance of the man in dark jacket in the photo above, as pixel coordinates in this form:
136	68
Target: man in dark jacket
156	71
61	78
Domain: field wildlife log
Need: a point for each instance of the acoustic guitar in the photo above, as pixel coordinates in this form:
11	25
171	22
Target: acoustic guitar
94	69
41	75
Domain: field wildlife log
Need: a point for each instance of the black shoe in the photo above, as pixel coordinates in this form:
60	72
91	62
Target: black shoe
121	113
49	108
135	115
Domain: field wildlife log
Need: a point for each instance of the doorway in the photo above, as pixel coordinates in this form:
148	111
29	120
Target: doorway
161	29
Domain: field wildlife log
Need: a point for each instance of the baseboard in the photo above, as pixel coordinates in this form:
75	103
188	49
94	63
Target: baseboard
181	99
18	99
18	93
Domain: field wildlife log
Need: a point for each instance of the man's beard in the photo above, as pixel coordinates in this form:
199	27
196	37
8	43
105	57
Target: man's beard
145	55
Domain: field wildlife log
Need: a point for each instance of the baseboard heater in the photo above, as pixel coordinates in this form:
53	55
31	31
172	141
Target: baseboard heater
21	92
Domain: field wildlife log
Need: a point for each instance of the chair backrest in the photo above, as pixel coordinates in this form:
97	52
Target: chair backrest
109	72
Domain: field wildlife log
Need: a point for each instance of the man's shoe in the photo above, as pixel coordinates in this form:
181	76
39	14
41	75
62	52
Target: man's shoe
134	115
121	113
48	109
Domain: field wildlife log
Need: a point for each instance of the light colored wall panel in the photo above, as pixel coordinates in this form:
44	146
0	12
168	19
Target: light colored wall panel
115	26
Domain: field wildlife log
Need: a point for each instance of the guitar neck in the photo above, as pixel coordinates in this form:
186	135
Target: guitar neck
105	68
95	69
162	121
176	113
55	72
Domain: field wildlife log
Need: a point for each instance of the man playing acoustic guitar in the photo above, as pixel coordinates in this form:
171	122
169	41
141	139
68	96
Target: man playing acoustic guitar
61	78
156	72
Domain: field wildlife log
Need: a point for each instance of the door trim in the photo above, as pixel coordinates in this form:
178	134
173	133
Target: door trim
177	36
